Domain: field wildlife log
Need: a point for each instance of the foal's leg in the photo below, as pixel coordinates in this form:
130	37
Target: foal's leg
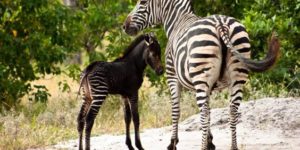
127	117
136	120
81	119
99	93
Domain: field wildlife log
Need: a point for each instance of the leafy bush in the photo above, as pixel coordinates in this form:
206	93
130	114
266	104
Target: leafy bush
260	18
37	37
34	37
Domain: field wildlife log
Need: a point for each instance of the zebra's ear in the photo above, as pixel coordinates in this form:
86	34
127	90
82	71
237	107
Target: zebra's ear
143	2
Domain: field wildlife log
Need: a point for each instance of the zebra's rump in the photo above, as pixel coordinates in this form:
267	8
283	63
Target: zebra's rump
201	52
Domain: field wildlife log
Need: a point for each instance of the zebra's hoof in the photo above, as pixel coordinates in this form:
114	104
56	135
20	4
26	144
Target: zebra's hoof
173	144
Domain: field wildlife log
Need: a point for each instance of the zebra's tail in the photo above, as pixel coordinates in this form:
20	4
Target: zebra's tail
253	65
268	61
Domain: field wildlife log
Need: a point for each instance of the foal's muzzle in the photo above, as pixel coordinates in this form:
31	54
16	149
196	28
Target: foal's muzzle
159	71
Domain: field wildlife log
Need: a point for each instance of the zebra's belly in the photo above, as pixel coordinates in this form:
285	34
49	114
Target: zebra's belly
184	78
186	84
220	85
181	69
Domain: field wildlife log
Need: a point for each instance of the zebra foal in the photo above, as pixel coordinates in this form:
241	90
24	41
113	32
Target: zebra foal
203	54
123	76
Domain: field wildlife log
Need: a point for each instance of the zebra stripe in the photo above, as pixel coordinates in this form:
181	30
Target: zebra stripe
202	54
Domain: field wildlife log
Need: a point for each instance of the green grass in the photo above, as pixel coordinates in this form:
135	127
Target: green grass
38	125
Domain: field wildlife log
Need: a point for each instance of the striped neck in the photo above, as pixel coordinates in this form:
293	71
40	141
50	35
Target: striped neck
173	13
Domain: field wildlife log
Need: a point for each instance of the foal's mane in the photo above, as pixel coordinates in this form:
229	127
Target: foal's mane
131	47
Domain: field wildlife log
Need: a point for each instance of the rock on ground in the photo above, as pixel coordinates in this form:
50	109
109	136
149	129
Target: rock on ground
270	123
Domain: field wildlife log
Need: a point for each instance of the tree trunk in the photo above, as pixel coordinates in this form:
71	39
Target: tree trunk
70	3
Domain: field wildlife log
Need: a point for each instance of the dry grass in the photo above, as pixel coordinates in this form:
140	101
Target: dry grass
38	125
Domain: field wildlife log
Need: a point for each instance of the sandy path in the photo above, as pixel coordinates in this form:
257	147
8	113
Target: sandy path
265	124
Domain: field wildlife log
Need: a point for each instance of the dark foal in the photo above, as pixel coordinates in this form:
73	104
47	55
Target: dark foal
123	76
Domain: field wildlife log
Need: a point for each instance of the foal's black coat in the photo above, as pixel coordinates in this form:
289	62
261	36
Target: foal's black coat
123	76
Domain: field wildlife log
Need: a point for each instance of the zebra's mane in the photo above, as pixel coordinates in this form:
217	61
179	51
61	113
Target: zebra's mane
131	47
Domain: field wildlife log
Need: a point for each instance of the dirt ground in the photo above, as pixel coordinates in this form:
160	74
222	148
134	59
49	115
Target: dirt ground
270	123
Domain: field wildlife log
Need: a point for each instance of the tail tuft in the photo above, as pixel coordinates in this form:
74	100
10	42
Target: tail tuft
84	81
268	61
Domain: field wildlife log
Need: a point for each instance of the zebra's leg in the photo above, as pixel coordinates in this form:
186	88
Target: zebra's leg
204	73
81	119
236	93
238	76
210	137
127	118
136	119
203	81
175	90
202	98
99	94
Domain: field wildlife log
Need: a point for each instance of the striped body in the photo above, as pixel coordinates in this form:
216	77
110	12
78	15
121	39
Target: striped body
202	54
200	49
198	59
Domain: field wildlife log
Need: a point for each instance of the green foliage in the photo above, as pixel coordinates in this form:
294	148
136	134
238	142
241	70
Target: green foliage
260	18
64	86
73	71
101	19
41	94
36	37
283	17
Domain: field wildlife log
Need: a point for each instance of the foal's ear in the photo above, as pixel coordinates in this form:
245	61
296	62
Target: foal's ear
148	39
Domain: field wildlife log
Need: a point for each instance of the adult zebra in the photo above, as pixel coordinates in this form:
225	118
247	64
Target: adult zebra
203	54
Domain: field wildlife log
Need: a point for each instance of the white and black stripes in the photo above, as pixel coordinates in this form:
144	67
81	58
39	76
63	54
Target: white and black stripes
198	61
202	54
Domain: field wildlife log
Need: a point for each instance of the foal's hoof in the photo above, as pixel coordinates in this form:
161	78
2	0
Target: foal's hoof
211	146
172	147
130	148
140	148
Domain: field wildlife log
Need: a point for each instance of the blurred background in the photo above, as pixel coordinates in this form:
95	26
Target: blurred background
44	45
